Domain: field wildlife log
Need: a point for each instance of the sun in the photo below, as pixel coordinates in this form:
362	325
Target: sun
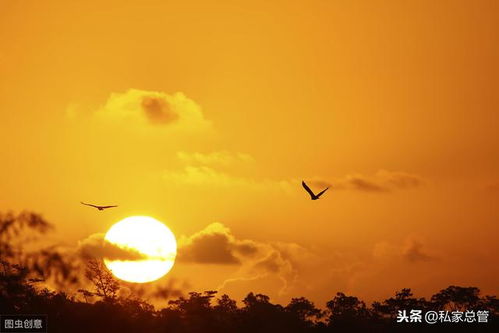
149	237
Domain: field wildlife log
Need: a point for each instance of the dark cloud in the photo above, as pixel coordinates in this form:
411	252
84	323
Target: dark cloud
208	249
272	263
400	180
364	184
158	110
256	260
414	252
215	245
95	246
246	248
321	183
382	181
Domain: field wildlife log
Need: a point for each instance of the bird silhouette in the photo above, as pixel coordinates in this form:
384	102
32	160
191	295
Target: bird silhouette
98	207
313	196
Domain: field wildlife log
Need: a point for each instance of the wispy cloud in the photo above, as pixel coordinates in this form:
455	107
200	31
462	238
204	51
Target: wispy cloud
382	181
414	252
204	176
411	251
218	158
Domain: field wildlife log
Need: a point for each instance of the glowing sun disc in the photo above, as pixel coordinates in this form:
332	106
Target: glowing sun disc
150	238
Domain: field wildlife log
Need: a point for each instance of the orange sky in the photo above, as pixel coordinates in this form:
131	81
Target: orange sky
197	112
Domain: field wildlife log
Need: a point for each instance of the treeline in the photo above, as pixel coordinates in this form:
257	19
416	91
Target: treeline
102	308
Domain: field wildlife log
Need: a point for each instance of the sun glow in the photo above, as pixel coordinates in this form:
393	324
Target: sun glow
150	238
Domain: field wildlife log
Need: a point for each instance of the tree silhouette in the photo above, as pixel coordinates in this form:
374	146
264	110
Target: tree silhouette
226	305
347	311
43	264
304	310
343	306
457	298
106	286
403	300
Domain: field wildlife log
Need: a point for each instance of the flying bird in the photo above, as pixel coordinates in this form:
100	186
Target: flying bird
313	196
98	207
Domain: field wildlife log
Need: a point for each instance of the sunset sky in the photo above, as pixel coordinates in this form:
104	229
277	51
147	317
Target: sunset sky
206	115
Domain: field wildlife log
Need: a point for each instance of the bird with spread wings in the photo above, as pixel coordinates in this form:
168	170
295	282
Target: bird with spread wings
98	207
313	196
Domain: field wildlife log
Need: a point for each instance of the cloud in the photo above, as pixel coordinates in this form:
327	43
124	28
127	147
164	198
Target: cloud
255	259
272	263
363	184
217	158
399	180
401	261
213	178
214	245
154	108
203	175
413	252
223	170
382	181
158	110
285	269
95	246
